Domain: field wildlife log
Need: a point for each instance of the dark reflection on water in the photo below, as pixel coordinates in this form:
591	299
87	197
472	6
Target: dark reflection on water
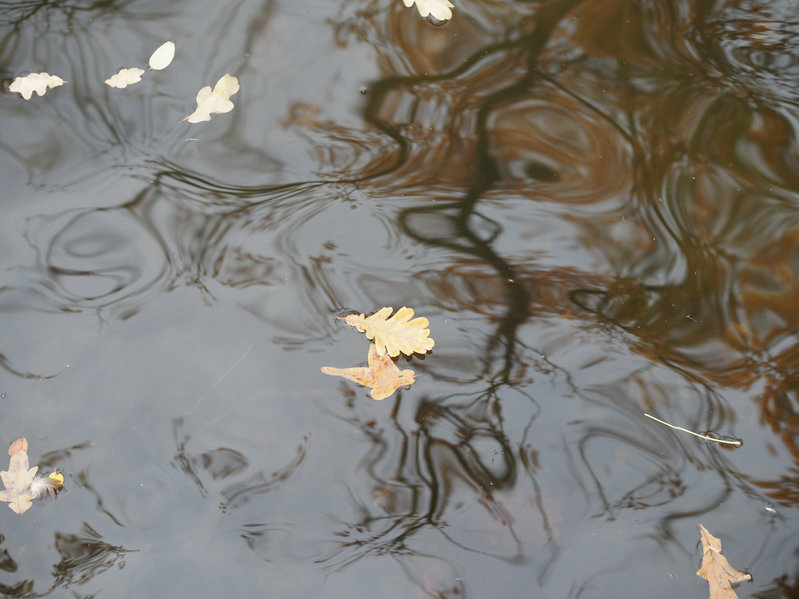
419	475
594	202
84	556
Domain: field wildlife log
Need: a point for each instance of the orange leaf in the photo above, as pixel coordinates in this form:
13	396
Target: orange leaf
394	335
716	569
382	374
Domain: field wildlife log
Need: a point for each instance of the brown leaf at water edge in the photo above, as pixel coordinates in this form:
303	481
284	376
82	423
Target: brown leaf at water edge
382	374
18	478
716	569
395	335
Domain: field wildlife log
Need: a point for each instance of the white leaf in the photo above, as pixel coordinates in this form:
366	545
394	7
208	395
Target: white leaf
163	56
440	9
216	101
35	82
125	77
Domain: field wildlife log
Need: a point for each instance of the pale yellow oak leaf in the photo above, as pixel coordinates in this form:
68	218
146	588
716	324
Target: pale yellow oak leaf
35	82
440	9
382	374
716	569
394	335
216	101
163	56
125	77
18	478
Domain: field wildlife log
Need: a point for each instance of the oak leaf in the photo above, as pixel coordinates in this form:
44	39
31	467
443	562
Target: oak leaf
125	77
394	335
216	101
382	374
35	82
163	56
18	478
716	569
440	9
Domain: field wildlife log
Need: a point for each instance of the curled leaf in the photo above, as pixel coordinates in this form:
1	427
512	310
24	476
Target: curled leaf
163	56
716	569
440	9
35	82
382	374
394	335
214	102
125	77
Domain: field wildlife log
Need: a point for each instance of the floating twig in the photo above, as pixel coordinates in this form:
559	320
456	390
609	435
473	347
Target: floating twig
222	378
736	443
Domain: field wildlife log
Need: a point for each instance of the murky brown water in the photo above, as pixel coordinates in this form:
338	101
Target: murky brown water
595	203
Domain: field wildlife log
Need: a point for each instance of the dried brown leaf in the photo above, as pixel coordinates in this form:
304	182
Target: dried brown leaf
382	374
395	335
716	569
18	478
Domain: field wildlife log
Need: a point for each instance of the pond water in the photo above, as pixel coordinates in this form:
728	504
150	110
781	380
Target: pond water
595	203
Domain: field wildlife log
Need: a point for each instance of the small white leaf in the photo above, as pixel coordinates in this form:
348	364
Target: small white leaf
216	101
35	82
440	9
125	77
163	56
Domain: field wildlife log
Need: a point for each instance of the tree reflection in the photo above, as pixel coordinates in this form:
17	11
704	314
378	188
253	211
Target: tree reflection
222	463
456	453
587	176
696	242
84	556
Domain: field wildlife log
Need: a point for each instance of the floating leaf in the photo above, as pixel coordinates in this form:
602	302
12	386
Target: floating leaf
18	478
440	9
163	56
394	335
216	101
35	82
716	569
125	77
382	374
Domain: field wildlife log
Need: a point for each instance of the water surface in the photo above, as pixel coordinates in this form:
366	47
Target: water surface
593	202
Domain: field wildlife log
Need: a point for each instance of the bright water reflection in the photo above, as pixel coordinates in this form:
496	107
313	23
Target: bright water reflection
594	202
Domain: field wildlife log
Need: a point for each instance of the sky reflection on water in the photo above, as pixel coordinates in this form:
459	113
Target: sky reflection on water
594	203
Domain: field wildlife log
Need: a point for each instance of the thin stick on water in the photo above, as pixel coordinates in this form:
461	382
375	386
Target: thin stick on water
222	378
685	430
